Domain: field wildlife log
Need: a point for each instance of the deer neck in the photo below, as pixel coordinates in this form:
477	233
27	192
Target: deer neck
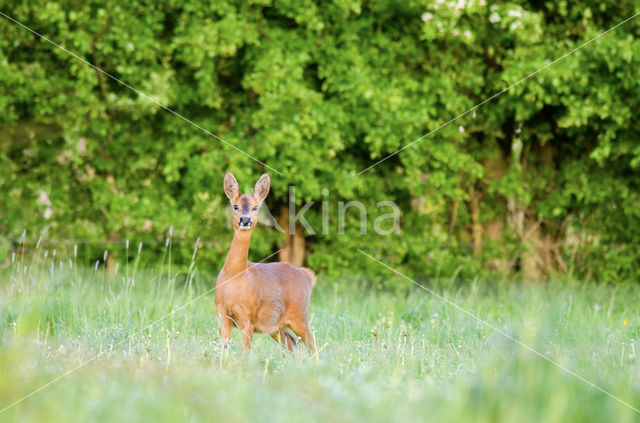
238	256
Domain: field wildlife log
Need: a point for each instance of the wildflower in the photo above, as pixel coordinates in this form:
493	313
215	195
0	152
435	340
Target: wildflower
625	322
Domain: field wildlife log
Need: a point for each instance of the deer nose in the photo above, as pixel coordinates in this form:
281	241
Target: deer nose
245	220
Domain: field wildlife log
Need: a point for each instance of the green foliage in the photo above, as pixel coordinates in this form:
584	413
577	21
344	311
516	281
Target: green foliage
542	179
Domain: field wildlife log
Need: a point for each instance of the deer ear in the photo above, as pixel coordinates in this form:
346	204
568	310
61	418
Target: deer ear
231	186
262	187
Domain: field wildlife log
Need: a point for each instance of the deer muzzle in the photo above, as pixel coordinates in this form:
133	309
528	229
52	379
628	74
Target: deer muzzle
245	222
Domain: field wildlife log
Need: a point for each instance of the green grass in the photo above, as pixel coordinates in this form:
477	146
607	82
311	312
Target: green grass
382	356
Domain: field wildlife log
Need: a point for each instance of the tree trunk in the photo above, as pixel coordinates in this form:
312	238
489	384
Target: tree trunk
293	244
110	264
476	226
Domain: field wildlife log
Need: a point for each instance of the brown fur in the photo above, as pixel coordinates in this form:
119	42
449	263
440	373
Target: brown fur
270	298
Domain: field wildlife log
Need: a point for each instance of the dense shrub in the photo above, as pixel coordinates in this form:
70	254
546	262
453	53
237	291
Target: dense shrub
540	180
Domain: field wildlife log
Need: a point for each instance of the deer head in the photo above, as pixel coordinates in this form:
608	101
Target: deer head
245	207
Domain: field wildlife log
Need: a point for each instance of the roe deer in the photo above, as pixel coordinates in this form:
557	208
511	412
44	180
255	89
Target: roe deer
267	298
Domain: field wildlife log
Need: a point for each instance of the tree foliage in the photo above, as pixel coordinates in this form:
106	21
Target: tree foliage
542	179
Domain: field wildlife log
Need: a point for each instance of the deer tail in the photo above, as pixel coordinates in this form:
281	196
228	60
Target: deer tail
311	274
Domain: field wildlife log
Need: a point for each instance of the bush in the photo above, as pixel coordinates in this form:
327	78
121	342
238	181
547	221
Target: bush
540	180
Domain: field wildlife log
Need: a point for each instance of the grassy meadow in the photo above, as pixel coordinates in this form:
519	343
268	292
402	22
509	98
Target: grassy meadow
148	336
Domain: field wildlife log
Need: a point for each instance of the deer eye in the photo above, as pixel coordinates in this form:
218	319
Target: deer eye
235	207
255	208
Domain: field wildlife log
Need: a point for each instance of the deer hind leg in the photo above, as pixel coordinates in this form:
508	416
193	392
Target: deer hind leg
285	338
301	328
224	324
247	336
